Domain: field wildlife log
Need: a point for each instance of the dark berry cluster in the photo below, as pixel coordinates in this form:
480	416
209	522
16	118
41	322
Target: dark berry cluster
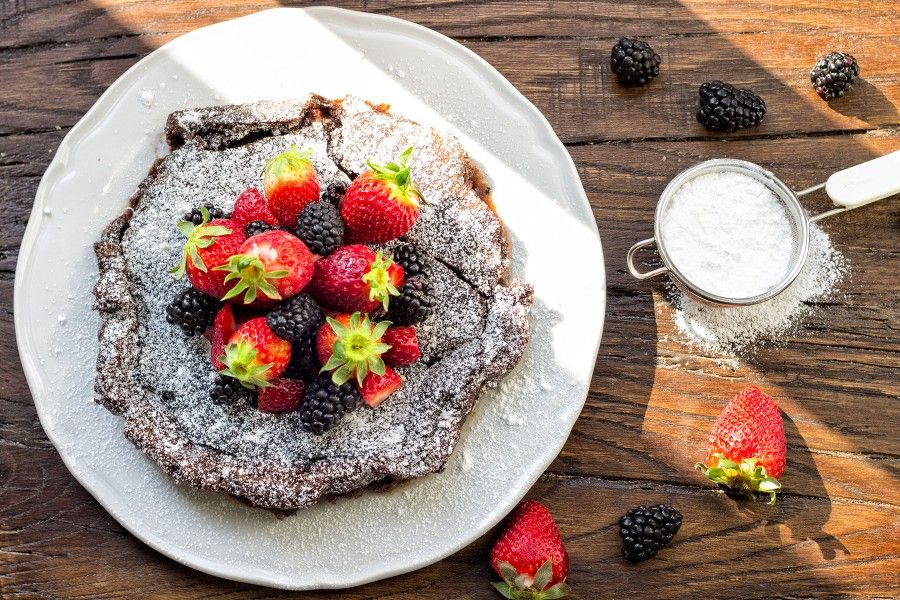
334	192
634	62
257	227
320	227
414	261
415	303
192	310
227	389
296	318
304	364
195	216
644	531
325	404
834	74
724	107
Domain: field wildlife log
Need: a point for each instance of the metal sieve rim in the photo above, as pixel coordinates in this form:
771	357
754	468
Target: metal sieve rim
784	193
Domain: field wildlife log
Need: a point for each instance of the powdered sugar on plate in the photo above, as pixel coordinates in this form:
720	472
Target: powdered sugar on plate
731	331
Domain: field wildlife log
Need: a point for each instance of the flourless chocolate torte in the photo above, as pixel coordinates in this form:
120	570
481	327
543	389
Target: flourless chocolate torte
160	379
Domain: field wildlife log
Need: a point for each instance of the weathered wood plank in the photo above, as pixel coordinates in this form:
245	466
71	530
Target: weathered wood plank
569	80
66	547
54	21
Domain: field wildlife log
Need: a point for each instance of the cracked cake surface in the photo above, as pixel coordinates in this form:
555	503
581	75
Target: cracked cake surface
158	379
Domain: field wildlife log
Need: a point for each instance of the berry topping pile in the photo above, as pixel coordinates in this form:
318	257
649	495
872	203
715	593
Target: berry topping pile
264	278
644	531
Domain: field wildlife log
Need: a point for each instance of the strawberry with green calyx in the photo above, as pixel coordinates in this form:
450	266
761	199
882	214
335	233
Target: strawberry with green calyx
747	448
383	278
255	355
530	557
208	246
356	278
290	183
382	203
270	266
350	347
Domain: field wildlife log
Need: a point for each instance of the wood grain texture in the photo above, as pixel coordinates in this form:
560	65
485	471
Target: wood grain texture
836	530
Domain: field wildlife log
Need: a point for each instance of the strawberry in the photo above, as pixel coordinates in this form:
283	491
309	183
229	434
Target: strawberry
223	327
350	346
375	388
404	346
255	355
382	203
290	182
356	278
282	395
208	245
275	263
252	206
529	555
747	448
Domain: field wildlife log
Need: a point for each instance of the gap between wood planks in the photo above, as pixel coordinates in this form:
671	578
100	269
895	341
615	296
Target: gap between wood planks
623	483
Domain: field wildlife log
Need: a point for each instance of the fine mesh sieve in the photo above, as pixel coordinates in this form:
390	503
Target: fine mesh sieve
850	188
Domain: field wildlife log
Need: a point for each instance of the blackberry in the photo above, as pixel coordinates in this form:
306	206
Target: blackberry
834	74
644	531
334	192
325	404
228	389
634	62
196	217
724	107
192	310
415	303
304	363
257	227
320	227
295	318
414	262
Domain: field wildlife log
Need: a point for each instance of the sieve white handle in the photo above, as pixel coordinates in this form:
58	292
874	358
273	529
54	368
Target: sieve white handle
866	182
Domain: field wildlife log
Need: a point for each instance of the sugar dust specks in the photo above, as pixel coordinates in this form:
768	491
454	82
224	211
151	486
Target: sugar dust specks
148	98
731	331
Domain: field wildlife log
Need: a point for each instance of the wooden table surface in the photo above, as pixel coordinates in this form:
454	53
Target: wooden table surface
835	531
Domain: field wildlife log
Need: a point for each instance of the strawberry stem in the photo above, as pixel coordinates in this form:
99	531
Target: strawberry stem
240	362
397	178
521	586
357	349
252	278
746	476
198	236
286	163
381	288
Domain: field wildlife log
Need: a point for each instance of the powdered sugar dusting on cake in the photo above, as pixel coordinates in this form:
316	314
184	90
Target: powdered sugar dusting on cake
454	222
237	449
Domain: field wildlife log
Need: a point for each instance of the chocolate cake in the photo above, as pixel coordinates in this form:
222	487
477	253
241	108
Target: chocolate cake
158	379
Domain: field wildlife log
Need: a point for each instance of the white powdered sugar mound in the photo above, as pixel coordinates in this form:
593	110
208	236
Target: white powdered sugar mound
728	234
731	331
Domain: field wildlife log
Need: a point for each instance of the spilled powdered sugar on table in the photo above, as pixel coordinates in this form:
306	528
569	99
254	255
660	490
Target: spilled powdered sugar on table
734	331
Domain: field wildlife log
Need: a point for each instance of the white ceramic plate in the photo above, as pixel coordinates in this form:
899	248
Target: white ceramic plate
515	431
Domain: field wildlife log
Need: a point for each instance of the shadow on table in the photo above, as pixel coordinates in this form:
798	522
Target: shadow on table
865	101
